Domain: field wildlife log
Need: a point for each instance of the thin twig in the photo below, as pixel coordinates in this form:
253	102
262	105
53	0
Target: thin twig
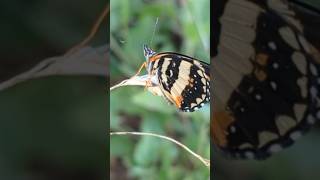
205	161
92	33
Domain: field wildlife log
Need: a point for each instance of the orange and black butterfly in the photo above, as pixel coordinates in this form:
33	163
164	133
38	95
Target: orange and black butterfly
267	76
182	80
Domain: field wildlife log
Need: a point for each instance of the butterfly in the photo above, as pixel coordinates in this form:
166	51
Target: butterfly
267	78
182	80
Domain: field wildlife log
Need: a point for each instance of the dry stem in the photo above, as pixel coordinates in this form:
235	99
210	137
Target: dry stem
206	162
93	31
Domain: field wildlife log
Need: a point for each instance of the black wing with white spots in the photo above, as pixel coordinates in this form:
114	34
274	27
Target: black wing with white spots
267	79
183	80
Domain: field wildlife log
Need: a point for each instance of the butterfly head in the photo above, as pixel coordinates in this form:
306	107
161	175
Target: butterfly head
148	52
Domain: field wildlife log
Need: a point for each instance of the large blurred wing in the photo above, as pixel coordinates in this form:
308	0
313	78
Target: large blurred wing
266	78
183	80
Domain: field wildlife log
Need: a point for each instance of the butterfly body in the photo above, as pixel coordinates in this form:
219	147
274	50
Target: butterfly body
182	80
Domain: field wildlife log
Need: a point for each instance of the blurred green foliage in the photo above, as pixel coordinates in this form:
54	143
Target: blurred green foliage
183	27
52	127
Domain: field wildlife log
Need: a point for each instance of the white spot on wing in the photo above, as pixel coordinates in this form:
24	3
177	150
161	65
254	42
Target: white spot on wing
273	85
313	91
203	80
284	123
265	137
302	83
198	100
304	44
245	146
232	129
275	148
299	110
311	119
272	45
249	155
289	37
300	61
295	135
258	97
275	65
313	70
203	96
164	68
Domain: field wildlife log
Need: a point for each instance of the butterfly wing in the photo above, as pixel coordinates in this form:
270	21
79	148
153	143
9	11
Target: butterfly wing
184	81
266	79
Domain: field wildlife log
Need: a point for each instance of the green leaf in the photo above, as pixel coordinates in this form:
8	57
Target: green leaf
151	102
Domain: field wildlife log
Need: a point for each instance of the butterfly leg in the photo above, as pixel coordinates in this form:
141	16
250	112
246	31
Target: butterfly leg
148	81
142	66
148	84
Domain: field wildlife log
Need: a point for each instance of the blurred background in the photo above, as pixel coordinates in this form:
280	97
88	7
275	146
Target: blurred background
300	161
53	127
183	27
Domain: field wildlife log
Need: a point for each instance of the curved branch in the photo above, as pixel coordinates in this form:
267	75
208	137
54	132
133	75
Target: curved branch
205	161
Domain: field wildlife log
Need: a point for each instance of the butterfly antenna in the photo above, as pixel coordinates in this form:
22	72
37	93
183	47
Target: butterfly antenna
154	30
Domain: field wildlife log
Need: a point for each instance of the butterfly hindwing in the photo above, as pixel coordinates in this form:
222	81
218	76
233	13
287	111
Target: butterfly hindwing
183	80
268	80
